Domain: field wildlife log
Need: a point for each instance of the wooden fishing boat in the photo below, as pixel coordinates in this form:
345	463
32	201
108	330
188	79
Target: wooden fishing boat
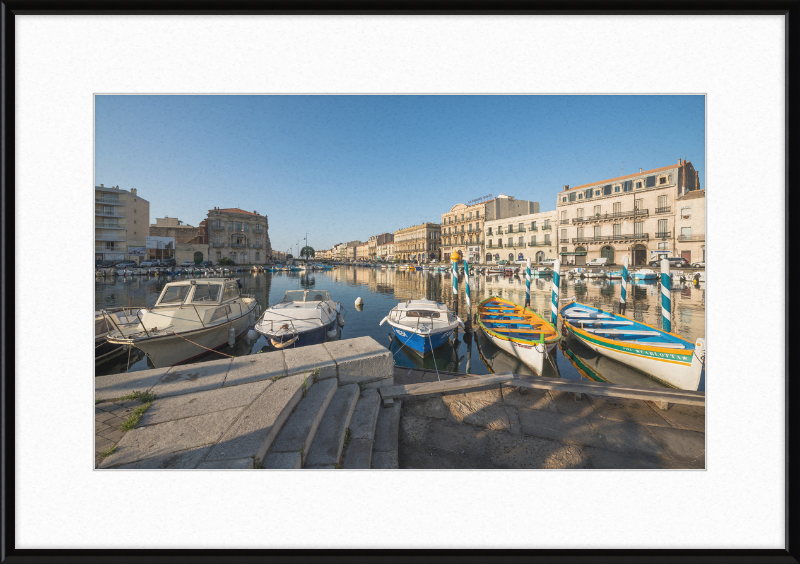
667	357
518	331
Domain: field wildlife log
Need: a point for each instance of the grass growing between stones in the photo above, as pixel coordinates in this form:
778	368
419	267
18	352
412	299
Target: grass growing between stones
112	450
143	397
134	418
305	385
346	437
257	464
315	375
99	401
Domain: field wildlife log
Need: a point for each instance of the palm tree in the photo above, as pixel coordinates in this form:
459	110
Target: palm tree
307	252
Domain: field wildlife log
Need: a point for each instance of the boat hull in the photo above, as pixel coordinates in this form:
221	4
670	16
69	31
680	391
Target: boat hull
420	343
315	336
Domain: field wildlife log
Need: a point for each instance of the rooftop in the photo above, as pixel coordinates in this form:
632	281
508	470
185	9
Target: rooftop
628	176
234	210
693	194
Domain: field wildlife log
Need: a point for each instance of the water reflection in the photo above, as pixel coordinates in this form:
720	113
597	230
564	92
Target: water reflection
381	289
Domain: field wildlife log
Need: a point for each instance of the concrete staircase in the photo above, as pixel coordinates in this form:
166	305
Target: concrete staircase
313	407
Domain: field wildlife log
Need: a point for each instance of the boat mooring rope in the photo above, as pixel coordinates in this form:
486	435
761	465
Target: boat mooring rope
404	344
434	359
201	346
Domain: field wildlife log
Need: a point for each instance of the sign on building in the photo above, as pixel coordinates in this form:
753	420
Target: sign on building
136	251
152	242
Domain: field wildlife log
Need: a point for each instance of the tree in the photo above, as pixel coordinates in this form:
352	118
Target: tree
307	252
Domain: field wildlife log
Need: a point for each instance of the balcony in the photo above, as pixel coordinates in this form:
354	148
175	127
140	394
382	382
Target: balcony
109	226
613	215
610	238
546	228
108	238
238	245
691	237
662	234
108	249
109	202
540	244
117	213
663	210
534	228
564	222
498	246
218	245
564	240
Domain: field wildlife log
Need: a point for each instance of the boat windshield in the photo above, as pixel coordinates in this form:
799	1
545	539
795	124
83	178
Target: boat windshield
294	296
174	295
423	313
206	292
317	296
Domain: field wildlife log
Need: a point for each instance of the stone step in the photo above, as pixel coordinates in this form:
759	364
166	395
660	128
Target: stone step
358	452
387	431
326	448
298	432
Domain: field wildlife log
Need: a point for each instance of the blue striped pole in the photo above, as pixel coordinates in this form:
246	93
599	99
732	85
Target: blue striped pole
468	325
528	282
624	285
666	306
556	284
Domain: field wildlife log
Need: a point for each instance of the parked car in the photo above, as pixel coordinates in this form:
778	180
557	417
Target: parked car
207	263
673	261
701	264
148	263
548	262
502	262
104	263
166	262
600	261
125	264
187	263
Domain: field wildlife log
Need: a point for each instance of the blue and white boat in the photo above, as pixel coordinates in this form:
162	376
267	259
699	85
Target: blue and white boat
303	317
422	325
644	274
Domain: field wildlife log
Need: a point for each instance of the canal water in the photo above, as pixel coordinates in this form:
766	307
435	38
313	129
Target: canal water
381	289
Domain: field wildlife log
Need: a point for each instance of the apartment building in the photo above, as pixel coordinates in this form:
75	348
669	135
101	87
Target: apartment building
239	235
419	243
121	220
463	226
363	251
530	236
633	215
690	225
386	251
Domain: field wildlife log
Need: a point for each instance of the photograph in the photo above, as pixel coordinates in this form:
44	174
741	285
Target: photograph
400	282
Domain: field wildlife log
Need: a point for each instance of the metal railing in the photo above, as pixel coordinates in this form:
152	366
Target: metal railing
109	201
662	234
546	228
238	245
108	238
634	237
691	237
217	245
540	244
564	240
110	214
533	228
663	210
109	226
217	227
612	215
563	221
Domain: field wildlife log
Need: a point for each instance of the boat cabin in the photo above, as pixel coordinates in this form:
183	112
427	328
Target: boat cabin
207	292
306	296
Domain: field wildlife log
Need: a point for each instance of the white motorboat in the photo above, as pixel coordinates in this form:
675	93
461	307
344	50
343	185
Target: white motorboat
303	317
422	325
190	319
123	317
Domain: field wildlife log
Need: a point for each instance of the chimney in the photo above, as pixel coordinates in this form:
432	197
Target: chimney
101	186
566	186
133	191
640	170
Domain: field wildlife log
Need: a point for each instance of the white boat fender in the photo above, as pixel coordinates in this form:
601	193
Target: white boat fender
252	318
252	335
231	335
384	320
340	319
332	332
359	301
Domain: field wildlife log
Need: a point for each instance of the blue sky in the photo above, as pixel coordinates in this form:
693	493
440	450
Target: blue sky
347	167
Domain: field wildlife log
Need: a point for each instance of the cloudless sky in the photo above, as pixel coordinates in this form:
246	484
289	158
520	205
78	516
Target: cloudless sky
347	167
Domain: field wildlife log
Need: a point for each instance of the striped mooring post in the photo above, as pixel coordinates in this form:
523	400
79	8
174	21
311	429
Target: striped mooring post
468	324
666	305
454	258
528	283
624	294
556	284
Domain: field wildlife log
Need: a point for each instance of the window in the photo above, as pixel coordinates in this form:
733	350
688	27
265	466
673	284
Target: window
617	229
580	232
533	240
588	193
490	242
533	225
617	188
218	239
547	239
579	213
563	198
617	207
638	184
662	180
470	216
572	197
510	241
563	215
217	223
662	201
638	204
521	242
596	231
607	190
686	213
521	227
638	228
663	246
547	224
650	181
686	232
206	292
597	210
477	214
231	291
247	227
510	228
462	217
627	186
580	196
662	225
174	295
219	255
230	226
597	192
563	233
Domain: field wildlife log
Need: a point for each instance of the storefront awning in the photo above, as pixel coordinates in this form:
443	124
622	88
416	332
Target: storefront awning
581	253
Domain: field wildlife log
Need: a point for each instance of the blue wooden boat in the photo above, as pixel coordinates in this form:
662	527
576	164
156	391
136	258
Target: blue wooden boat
667	357
422	325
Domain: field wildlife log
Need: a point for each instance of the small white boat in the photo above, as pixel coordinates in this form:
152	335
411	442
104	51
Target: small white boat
189	320
422	325
303	317
644	274
123	317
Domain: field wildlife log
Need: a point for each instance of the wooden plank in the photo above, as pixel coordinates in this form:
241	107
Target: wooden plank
390	392
611	390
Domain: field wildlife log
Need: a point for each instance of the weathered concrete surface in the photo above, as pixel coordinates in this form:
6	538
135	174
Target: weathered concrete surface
309	359
476	429
283	461
360	360
193	378
232	464
253	432
387	430
254	367
299	430
358	453
326	449
119	385
170	437
197	403
384	461
176	461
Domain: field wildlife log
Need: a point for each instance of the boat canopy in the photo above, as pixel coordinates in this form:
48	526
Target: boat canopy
198	292
306	296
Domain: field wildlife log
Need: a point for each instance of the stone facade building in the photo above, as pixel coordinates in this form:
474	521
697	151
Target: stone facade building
190	242
239	235
350	250
363	252
519	238
418	243
632	215
690	225
463	225
121	220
